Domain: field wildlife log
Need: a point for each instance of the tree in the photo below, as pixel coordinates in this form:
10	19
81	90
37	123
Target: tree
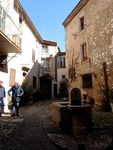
72	70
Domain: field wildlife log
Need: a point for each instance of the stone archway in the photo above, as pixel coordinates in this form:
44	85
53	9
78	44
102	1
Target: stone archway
46	86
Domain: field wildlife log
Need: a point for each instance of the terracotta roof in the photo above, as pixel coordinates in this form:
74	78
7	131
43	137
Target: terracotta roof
61	53
75	11
51	43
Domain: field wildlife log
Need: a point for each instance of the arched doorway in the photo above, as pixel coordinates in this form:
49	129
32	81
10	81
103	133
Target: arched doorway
46	86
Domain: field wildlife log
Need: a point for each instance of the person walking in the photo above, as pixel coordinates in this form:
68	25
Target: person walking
15	92
2	95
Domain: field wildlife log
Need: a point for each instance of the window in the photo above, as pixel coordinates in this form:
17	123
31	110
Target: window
61	61
45	48
58	62
34	82
12	77
63	76
81	23
46	62
64	61
87	80
84	52
33	55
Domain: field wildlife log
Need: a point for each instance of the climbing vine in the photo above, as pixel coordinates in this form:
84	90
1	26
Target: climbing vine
72	70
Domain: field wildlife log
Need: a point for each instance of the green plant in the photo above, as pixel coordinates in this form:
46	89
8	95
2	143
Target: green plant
28	91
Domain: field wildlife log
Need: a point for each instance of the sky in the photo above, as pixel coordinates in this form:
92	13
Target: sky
48	16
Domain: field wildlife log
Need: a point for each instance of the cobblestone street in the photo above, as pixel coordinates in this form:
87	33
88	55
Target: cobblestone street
29	130
34	130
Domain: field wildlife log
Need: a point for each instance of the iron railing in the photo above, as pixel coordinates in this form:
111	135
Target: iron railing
9	28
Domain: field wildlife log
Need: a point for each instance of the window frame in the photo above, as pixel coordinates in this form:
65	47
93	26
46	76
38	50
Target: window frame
45	49
85	80
82	23
12	77
61	62
46	62
84	51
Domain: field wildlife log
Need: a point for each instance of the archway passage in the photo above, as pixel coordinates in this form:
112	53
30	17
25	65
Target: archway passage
46	86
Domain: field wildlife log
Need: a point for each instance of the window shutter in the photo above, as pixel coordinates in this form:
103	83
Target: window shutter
12	77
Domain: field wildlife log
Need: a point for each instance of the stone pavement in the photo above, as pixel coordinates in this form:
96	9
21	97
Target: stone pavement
26	132
34	130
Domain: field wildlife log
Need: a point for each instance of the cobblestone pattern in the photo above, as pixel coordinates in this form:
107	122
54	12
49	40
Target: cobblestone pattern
34	130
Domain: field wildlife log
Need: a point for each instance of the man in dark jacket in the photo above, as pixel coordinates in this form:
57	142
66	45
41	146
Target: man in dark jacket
16	92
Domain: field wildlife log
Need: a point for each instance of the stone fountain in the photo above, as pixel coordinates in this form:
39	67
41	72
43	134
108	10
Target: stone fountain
81	114
73	116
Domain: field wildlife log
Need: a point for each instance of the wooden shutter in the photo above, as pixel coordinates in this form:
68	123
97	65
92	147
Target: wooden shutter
82	23
84	52
12	77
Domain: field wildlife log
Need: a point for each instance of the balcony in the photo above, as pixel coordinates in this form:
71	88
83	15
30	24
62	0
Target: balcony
10	36
44	71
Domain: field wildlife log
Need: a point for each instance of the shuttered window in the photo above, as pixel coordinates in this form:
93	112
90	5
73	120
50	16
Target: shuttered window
81	23
87	81
84	52
12	77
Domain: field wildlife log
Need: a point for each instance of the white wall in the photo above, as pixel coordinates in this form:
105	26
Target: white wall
29	42
52	50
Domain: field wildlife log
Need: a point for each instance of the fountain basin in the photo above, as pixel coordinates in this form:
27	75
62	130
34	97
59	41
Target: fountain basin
73	115
76	119
62	117
81	118
79	108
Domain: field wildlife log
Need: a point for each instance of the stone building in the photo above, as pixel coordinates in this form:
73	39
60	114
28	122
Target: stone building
20	43
39	66
21	48
47	69
89	48
30	45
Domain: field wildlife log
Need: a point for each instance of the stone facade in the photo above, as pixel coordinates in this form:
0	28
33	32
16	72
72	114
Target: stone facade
90	48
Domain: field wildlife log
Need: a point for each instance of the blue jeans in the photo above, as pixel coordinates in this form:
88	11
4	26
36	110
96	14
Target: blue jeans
1	105
15	106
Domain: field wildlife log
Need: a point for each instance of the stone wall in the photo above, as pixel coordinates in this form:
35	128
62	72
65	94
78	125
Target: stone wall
98	34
